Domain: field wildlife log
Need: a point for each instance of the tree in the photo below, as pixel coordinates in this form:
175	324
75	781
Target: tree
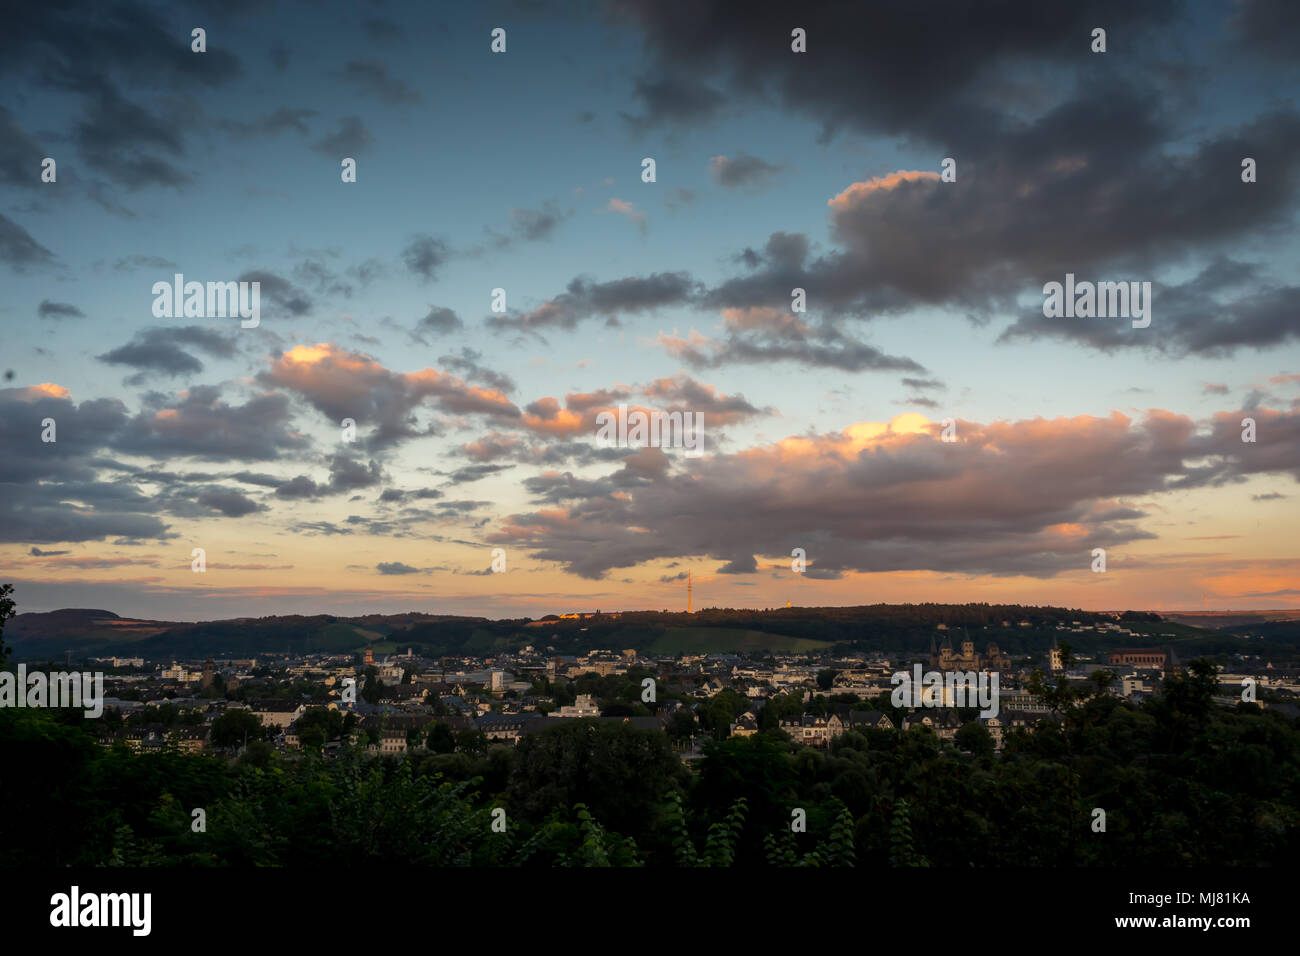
471	741
902	847
6	612
975	737
619	771
441	739
234	727
318	725
682	725
718	714
777	708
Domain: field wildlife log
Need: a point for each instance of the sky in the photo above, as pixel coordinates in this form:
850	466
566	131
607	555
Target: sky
504	269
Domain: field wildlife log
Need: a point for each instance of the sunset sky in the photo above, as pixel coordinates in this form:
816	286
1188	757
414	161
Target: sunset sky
522	171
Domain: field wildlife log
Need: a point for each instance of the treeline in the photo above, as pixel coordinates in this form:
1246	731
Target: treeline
878	627
875	627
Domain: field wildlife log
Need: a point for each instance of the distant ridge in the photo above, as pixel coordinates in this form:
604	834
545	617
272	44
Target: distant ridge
1022	630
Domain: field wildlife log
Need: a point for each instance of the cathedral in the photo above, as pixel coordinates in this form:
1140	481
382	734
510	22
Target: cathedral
944	659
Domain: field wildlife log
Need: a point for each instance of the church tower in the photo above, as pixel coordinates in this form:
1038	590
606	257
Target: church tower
1054	657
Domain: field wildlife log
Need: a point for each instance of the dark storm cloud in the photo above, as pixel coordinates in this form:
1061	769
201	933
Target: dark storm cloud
115	134
198	423
299	487
272	124
424	255
371	76
18	248
159	476
534	225
1227	306
390	495
25	458
351	137
322	278
49	491
923	383
1270	27
472	473
227	502
20	153
467	362
58	310
447	509
683	393
641	468
893	67
498	446
42	515
821	345
907	239
381	31
312	528
672	99
278	292
348	474
1277	445
68	44
95	52
584	299
440	321
742	170
254	478
742	564
1134	195
163	349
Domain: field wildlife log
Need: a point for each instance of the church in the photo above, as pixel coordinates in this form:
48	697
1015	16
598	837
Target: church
944	659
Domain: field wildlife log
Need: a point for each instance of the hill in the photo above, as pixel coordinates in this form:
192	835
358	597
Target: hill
880	628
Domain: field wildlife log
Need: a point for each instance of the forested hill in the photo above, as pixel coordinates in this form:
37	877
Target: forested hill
878	627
